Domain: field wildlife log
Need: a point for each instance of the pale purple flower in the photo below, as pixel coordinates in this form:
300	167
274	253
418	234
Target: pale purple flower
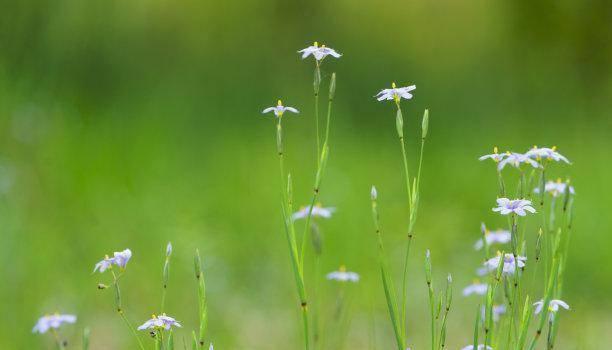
103	264
119	258
279	110
319	52
475	288
555	188
343	276
515	160
492	237
506	206
395	93
52	321
496	311
317	211
211	347
509	263
553	306
480	347
546	153
497	157
159	322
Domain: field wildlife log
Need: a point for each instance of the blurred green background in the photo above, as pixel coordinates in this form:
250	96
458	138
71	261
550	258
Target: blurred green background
134	123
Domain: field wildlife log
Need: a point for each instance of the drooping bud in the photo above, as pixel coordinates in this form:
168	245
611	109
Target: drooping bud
428	267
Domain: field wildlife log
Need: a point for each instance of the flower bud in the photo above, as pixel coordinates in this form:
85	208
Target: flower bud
425	124
332	87
373	193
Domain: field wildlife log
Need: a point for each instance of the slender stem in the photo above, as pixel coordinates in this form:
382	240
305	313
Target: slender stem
317	84
120	309
58	341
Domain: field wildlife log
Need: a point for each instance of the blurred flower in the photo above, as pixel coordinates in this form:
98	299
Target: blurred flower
159	322
169	249
319	52
555	188
516	159
480	347
491	237
317	211
475	288
506	206
395	93
546	153
279	109
104	264
343	276
553	306
373	193
211	347
119	258
508	261
52	321
496	312
495	156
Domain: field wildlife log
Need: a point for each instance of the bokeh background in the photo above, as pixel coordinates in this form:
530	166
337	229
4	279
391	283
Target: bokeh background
134	123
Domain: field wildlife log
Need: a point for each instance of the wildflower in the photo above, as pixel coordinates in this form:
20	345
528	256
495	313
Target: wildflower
497	157
119	258
510	263
506	206
160	322
317	211
395	93
319	52
553	306
480	347
52	321
343	276
496	312
280	109
546	153
475	288
516	159
104	264
555	188
491	237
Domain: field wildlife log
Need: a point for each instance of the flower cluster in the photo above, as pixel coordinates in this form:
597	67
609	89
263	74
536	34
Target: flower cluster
535	157
159	322
556	188
119	258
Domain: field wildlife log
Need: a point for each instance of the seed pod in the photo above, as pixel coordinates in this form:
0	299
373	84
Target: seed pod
332	87
425	124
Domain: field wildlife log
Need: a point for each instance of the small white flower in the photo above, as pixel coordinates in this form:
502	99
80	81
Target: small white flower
553	305
159	322
317	211
497	157
516	159
280	109
492	237
475	288
506	206
395	93
319	52
555	188
119	258
546	153
508	261
211	347
52	321
103	264
496	311
343	276
480	347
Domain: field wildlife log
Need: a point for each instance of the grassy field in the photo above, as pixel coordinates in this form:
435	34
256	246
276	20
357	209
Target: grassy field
134	124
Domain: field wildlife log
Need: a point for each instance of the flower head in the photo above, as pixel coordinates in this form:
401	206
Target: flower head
555	188
475	288
52	321
516	159
395	93
497	157
553	305
119	258
159	322
319	52
510	263
506	206
317	211
492	237
480	347
546	153
343	276
280	109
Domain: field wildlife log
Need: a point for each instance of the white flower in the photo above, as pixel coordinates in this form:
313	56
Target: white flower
497	157
506	206
52	321
492	237
496	312
475	288
555	188
343	276
508	261
119	258
160	322
480	347
319	52
553	305
280	109
546	153
395	93
516	159
211	347
317	211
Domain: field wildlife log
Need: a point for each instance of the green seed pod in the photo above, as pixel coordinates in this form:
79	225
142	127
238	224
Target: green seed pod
399	123
425	124
332	87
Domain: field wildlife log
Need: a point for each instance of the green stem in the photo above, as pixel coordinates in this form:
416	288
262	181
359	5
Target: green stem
120	309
